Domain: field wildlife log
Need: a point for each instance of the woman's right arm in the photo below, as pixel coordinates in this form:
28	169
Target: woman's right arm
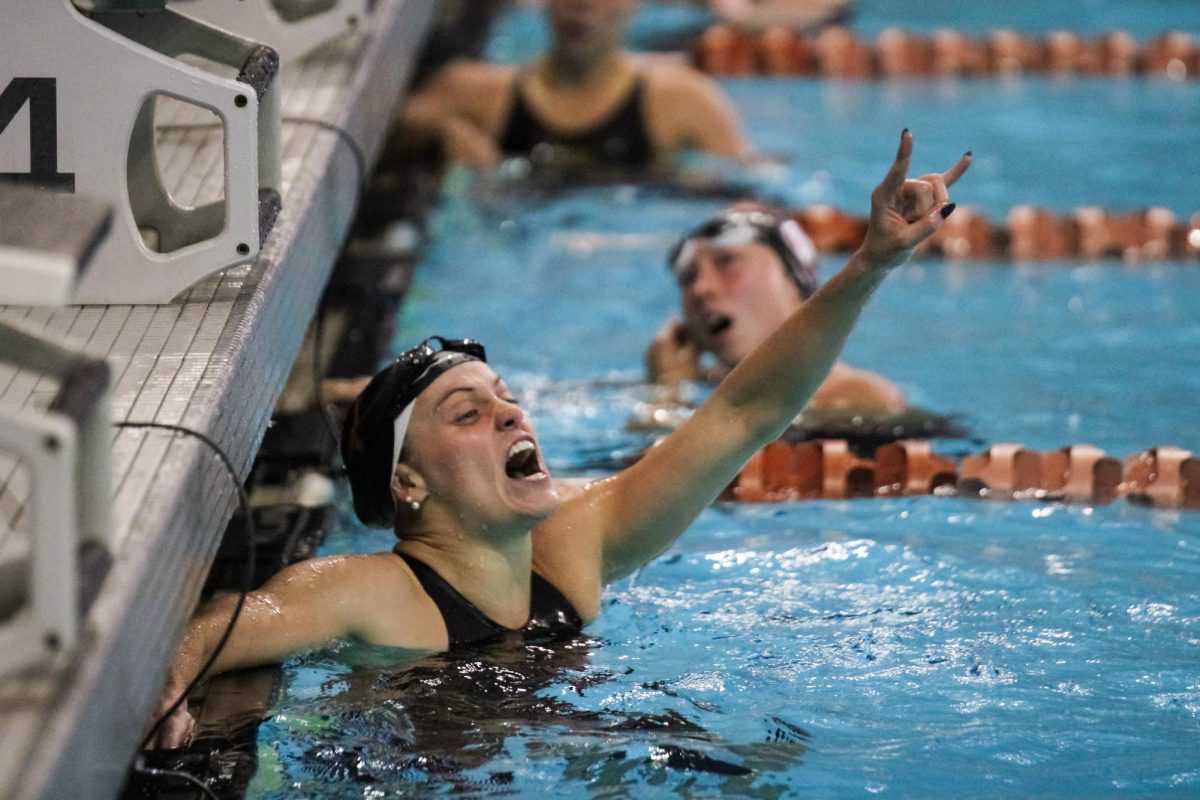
458	108
304	606
635	515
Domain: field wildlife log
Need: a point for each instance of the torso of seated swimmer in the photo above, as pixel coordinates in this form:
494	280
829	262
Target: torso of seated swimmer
584	82
733	298
619	138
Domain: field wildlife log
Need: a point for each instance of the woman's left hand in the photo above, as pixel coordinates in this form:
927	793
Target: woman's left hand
906	212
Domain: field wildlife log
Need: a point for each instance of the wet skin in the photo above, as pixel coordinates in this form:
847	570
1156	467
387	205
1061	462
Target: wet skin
734	297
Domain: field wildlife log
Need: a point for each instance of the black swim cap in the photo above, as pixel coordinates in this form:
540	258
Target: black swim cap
781	233
374	429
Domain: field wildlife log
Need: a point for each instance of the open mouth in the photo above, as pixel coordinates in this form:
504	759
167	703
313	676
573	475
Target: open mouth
718	324
522	462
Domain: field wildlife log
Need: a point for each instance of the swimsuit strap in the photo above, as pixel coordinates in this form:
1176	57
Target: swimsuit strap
550	612
465	624
620	138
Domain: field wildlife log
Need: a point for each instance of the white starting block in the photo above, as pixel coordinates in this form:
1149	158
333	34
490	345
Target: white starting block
293	29
54	462
89	81
46	240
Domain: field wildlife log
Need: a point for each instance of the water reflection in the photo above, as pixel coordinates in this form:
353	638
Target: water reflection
485	721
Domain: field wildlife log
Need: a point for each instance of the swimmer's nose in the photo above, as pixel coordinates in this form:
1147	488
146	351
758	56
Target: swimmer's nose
508	416
704	284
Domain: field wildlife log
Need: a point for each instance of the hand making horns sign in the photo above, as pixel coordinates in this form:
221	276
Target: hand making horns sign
906	212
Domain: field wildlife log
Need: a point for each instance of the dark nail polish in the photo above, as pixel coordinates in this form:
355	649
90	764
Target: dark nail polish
904	131
968	154
948	209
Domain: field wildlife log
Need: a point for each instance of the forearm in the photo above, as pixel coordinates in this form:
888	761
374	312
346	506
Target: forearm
421	122
770	386
200	640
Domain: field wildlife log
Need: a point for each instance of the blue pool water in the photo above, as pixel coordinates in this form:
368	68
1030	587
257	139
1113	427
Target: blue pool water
915	647
658	24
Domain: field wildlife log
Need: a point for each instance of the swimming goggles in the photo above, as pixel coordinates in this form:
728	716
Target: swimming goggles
737	227
425	365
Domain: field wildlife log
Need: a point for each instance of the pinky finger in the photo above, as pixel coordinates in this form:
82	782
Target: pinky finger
954	173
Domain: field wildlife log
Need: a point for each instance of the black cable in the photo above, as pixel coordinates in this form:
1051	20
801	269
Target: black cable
248	577
140	767
360	164
360	158
318	388
343	135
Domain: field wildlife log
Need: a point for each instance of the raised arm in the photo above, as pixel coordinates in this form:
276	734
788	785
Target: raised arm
643	509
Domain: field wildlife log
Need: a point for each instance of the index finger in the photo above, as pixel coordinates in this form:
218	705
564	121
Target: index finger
899	172
956	172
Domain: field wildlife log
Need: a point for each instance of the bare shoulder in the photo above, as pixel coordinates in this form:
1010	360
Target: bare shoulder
568	547
673	78
686	108
386	576
857	389
377	596
472	90
473	76
333	571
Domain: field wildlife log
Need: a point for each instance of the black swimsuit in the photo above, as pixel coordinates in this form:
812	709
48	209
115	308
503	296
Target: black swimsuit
620	139
550	614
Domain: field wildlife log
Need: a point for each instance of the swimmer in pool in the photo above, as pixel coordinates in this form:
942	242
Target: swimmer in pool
438	448
585	102
741	274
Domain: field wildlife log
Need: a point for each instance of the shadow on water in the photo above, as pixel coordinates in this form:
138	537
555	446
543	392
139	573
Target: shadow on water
482	722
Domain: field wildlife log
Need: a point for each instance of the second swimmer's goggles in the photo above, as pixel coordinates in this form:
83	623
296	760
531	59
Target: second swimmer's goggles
737	227
384	410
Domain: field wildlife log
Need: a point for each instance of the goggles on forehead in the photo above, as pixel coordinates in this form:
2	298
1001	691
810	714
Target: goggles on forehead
732	228
425	365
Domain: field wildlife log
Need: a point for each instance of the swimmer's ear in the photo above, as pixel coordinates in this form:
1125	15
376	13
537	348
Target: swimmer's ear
408	486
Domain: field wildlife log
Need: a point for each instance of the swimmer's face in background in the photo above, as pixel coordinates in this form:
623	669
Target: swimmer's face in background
584	29
477	452
734	297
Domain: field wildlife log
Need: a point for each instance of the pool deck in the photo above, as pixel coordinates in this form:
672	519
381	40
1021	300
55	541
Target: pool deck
215	360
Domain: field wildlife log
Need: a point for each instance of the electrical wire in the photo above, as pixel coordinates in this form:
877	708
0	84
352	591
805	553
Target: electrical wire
248	575
343	135
318	388
140	767
361	173
360	163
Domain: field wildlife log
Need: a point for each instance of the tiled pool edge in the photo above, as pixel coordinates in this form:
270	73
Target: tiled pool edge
96	705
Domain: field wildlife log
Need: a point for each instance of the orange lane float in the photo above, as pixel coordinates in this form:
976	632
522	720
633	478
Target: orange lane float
908	467
838	52
722	50
826	469
1163	476
782	52
1081	473
822	469
1028	234
1005	470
